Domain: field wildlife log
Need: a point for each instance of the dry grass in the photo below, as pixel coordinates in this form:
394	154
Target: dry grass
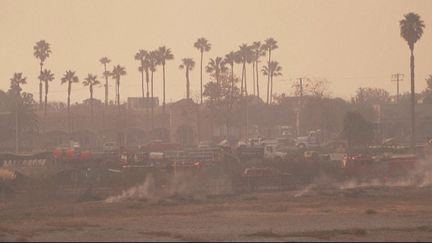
319	234
74	224
165	234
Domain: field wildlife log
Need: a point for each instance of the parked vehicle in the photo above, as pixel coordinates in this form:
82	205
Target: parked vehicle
312	140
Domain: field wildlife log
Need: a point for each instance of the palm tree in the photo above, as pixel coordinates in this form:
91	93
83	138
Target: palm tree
16	81
202	45
117	72
69	77
46	76
216	67
259	51
272	70
245	56
411	29
91	80
231	58
106	74
141	56
153	62
41	51
269	45
164	54
188	65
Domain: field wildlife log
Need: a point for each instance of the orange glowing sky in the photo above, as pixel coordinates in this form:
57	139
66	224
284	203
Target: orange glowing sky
350	43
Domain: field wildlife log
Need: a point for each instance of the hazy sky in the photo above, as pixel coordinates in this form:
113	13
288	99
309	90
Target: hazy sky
350	43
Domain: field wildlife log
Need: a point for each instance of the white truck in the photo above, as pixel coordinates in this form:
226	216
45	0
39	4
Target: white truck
313	140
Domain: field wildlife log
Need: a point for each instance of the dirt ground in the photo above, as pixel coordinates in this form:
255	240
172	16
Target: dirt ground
356	214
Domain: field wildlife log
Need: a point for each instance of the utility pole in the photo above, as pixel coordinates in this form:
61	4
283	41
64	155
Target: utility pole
398	77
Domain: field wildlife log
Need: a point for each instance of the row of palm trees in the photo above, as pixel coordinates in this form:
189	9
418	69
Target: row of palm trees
149	60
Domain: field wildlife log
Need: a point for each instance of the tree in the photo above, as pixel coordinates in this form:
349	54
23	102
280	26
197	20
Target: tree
259	51
246	56
15	89
41	51
116	73
230	59
164	54
215	67
411	29
69	77
357	130
269	45
427	93
141	56
223	101
317	87
202	45
90	81
372	96
272	70
106	74
153	62
46	76
188	64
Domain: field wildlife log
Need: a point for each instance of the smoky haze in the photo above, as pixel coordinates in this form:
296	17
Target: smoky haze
350	43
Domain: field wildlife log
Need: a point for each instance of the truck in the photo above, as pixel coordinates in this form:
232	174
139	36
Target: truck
312	140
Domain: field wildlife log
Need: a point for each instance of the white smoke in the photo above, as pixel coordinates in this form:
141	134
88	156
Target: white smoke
144	191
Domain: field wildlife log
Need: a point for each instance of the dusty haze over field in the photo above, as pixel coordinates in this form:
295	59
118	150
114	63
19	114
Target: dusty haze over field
351	43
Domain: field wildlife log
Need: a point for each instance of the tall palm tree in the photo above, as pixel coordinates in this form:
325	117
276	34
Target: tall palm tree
153	62
16	81
272	70
117	72
216	67
411	29
106	74
246	56
141	56
188	64
46	76
164	54
69	77
269	45
259	51
91	80
202	45
230	59
41	51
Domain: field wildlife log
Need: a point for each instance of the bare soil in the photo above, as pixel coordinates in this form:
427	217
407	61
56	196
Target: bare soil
359	214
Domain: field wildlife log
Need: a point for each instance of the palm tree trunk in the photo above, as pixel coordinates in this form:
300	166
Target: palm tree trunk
268	78
413	103
91	104
152	102
201	92
246	104
242	80
68	107
118	93
46	97
187	83
17	137
253	77
142	81
163	75
40	87
271	88
106	86
257	79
